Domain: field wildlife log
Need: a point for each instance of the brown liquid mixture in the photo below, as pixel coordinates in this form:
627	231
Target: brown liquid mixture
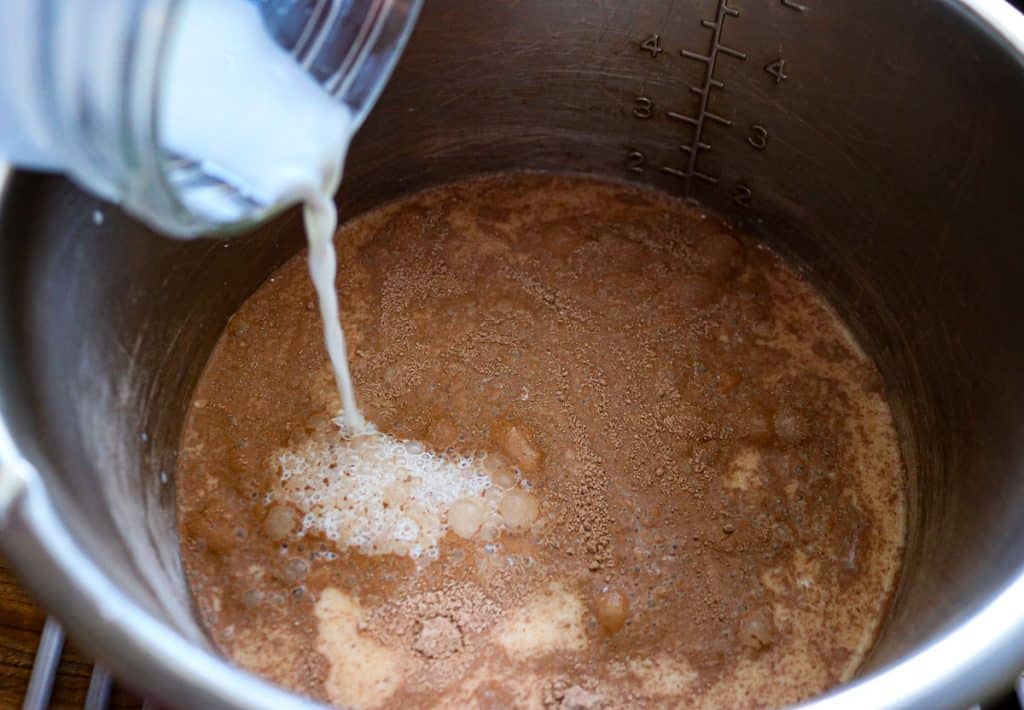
697	498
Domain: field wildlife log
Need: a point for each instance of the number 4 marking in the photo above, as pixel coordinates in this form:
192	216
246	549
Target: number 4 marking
778	70
653	45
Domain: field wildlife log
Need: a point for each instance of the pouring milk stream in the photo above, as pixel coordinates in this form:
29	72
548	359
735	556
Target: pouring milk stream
302	136
279	137
230	102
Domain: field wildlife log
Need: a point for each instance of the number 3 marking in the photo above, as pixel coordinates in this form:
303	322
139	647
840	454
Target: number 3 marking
758	137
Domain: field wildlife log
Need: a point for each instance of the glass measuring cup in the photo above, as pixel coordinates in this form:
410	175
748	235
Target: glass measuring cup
89	90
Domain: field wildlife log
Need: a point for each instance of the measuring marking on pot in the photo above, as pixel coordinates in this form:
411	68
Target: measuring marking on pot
758	139
704	114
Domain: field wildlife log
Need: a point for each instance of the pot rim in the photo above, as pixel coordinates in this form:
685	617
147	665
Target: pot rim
981	656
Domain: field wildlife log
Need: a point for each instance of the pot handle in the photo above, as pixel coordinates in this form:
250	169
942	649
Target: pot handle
15	471
15	474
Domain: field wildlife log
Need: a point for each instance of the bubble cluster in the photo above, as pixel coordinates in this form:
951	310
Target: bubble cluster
376	493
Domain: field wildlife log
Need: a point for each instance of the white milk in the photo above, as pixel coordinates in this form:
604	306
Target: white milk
321	219
243	109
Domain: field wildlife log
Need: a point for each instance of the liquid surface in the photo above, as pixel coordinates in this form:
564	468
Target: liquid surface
633	460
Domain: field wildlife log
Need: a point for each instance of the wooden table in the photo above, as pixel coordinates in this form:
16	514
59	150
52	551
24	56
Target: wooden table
21	622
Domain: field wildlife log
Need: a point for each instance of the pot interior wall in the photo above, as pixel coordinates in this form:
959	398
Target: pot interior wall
886	173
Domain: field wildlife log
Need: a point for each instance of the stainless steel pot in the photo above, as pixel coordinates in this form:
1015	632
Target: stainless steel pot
876	142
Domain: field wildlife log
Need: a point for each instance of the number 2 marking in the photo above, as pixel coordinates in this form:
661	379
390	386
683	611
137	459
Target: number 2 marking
636	161
742	195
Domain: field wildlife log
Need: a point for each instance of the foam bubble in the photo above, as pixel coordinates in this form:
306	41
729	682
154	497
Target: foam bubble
376	493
